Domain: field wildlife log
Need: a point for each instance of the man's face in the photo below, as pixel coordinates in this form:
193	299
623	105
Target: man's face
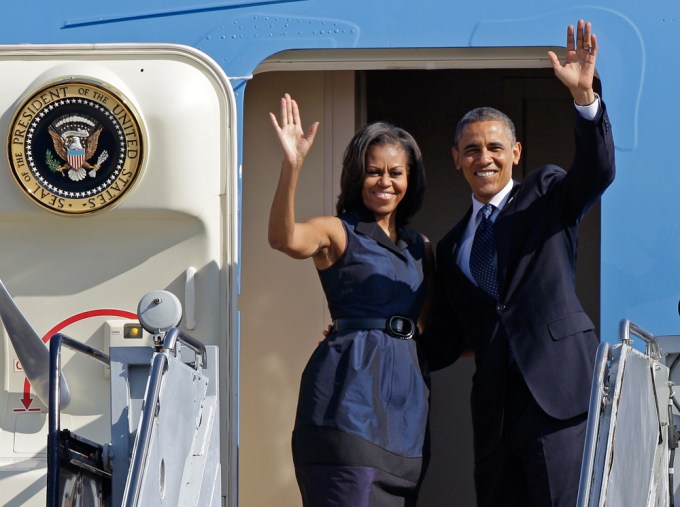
486	154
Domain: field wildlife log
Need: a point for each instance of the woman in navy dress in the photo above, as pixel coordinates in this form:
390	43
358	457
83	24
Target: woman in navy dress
360	429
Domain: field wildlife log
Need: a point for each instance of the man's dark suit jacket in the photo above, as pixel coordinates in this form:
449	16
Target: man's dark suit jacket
538	315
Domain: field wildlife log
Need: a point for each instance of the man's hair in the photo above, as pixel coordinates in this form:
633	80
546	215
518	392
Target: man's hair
484	114
354	169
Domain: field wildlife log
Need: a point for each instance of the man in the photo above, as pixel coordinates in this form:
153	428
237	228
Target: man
510	292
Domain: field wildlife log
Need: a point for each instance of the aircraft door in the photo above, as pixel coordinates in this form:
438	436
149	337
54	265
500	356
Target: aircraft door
120	177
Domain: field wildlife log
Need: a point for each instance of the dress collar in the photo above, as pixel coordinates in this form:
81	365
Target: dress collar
367	225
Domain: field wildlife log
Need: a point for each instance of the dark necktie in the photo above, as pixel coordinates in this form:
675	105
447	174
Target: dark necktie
482	265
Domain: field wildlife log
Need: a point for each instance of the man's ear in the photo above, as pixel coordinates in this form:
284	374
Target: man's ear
455	154
516	153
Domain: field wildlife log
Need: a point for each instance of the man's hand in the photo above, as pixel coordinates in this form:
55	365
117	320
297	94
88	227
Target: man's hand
578	70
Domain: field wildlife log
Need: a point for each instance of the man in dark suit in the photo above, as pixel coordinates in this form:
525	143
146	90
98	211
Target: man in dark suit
510	293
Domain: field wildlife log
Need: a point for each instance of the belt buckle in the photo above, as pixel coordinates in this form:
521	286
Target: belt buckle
401	327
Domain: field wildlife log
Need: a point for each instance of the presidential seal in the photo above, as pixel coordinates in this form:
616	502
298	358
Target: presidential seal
75	147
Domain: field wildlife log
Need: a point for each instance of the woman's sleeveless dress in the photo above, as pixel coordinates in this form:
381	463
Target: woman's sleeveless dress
362	412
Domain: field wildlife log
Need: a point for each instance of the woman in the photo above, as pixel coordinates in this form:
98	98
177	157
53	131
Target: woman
360	428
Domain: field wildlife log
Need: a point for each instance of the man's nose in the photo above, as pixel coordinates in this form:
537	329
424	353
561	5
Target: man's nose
485	156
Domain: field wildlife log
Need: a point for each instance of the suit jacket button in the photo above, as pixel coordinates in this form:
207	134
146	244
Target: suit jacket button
500	307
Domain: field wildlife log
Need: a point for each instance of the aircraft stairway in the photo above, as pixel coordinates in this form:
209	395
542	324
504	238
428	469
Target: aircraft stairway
165	443
632	431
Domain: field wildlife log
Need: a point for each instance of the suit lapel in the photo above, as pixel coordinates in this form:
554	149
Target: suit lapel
503	232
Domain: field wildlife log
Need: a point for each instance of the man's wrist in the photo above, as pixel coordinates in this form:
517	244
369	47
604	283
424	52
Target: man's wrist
589	111
584	98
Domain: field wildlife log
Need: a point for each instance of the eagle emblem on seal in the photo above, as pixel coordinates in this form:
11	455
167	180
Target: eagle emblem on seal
76	146
75	138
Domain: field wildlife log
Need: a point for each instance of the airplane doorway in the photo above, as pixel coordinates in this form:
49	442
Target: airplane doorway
282	307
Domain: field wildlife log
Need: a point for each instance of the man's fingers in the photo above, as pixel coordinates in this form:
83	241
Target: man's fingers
593	40
585	36
570	37
554	60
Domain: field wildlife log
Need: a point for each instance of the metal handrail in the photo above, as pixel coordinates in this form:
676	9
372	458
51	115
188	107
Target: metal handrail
626	327
151	400
593	424
141	448
54	407
174	334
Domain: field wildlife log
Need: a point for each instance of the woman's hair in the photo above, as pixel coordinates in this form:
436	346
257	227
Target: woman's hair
354	169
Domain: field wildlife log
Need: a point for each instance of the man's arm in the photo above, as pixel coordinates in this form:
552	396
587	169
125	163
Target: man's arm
593	168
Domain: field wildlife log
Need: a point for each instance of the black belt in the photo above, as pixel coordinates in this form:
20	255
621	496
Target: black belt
396	326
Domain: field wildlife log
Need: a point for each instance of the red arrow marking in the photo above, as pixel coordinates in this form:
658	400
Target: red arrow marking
26	400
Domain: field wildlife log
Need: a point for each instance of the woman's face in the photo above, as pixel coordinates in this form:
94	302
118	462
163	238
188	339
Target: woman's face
386	179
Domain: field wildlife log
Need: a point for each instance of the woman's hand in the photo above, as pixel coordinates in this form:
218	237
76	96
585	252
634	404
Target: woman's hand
294	142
